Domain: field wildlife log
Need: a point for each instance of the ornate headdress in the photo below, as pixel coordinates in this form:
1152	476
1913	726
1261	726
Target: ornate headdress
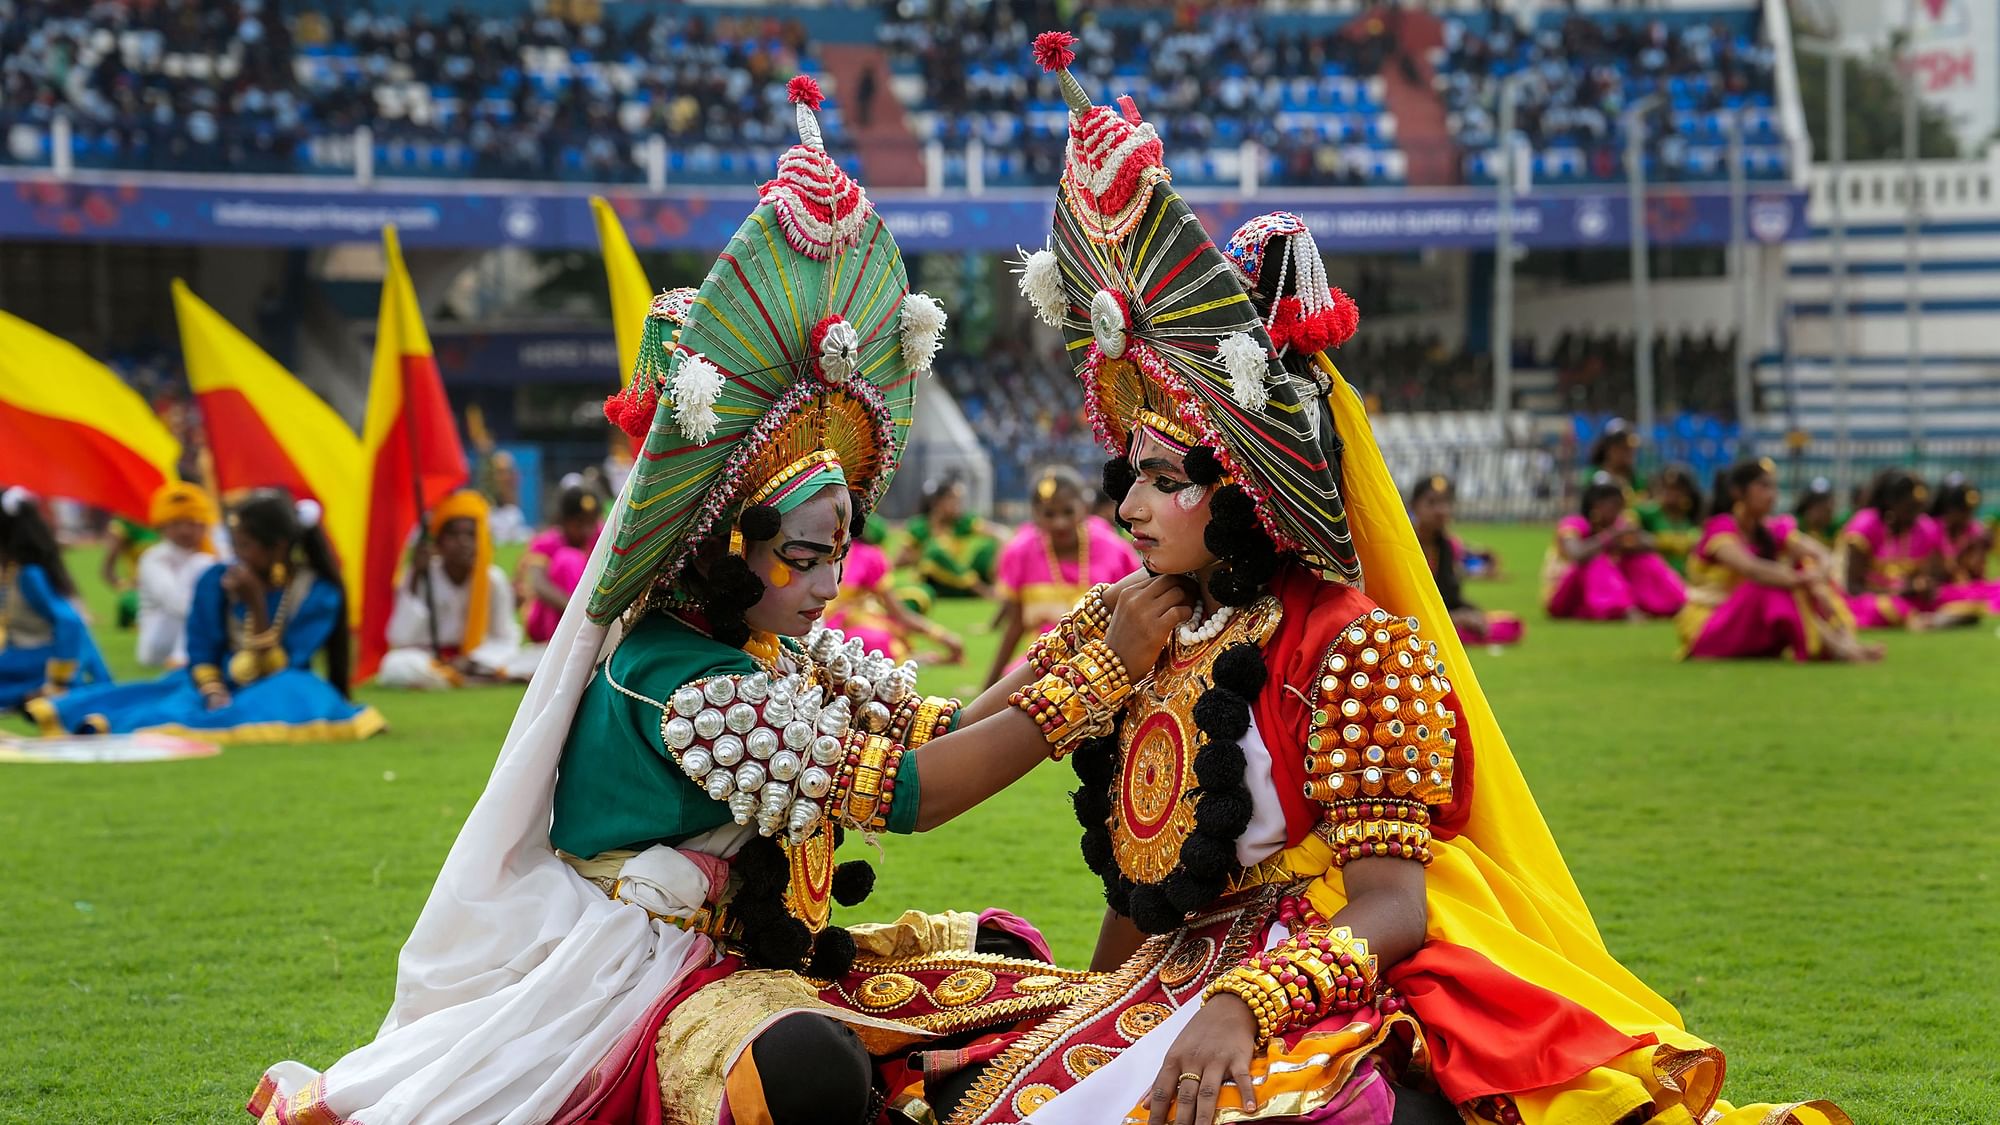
1164	335
792	367
1281	266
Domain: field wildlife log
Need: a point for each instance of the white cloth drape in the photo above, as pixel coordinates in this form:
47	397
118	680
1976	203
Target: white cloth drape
520	973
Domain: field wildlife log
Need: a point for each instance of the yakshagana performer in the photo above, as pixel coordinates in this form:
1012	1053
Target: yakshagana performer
634	925
1344	904
1759	587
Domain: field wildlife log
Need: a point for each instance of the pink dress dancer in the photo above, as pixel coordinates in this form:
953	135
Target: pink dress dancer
564	565
1609	585
1894	592
864	590
1731	616
1046	587
1968	587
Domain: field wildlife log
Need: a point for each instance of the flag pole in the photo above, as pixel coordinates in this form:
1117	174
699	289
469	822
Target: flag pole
423	524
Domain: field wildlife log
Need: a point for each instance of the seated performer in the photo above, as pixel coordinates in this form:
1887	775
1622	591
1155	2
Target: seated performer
1814	513
1332	897
951	548
1892	563
1967	545
125	542
1672	515
1430	511
255	628
555	560
634	924
1758	587
1053	560
182	516
457	586
871	607
1603	568
45	647
1615	454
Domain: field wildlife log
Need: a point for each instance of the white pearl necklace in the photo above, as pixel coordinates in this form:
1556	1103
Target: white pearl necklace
1195	631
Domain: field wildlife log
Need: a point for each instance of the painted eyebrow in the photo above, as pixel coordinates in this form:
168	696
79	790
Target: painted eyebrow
821	548
1158	464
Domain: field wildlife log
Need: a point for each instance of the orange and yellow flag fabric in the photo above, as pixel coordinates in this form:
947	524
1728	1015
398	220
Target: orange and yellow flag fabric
269	430
409	444
74	429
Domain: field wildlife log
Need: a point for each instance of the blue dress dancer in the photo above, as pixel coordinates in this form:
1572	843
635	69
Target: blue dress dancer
44	645
254	630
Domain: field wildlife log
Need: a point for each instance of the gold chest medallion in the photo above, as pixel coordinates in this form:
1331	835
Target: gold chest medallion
1152	812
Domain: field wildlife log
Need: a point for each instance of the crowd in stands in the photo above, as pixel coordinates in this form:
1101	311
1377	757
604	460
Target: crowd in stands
1578	76
213	84
1207	79
245	85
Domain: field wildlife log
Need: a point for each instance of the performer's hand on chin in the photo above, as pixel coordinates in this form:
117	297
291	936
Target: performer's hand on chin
1146	617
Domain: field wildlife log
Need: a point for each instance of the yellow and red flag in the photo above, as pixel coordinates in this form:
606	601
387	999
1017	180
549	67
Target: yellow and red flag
74	429
409	444
269	430
631	293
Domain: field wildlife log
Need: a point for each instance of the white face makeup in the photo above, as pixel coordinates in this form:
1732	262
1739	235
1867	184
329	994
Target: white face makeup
1167	529
800	567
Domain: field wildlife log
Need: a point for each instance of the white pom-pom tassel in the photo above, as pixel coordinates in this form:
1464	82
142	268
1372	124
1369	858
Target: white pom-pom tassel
923	330
1041	284
697	382
1247	365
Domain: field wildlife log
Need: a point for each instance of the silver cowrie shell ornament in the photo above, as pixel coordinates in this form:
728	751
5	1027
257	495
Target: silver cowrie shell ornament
728	750
719	784
741	718
696	763
708	723
750	776
719	691
797	735
826	750
784	765
761	743
677	733
742	806
755	688
815	782
687	701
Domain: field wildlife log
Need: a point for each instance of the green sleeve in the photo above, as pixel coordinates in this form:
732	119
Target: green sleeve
909	788
618	786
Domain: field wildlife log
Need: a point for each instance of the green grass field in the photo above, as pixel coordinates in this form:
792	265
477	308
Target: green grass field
1804	860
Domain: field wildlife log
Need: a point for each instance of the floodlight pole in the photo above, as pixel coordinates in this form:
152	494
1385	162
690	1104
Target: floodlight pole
1503	259
1642	308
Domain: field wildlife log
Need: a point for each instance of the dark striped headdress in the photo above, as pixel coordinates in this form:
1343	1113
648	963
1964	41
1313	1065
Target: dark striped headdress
1162	333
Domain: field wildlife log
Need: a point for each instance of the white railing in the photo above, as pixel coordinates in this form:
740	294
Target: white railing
1873	191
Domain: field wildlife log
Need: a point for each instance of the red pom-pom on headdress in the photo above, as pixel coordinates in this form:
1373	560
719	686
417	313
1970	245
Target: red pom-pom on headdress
1054	50
1345	317
632	409
804	90
1287	320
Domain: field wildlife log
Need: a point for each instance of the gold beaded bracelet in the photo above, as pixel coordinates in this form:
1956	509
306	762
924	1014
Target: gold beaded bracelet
1078	699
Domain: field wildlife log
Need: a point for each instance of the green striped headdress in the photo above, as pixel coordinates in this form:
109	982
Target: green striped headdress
1162	333
793	366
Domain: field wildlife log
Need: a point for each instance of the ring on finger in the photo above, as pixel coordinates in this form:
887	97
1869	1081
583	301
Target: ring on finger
1189	1077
